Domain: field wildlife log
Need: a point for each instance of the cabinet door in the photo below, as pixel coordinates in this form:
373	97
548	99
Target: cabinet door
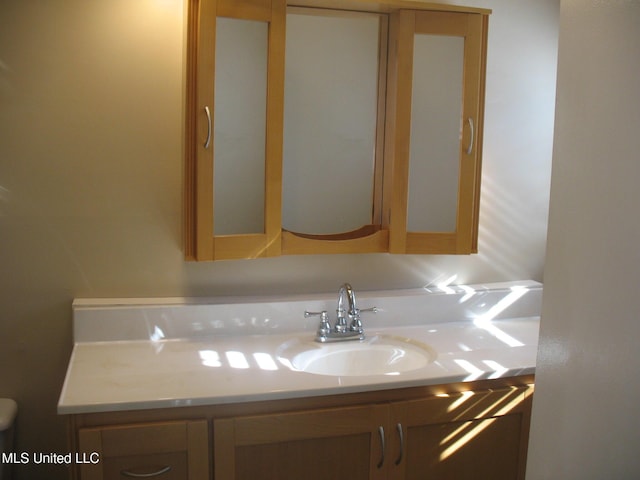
434	130
467	435
336	444
233	167
169	450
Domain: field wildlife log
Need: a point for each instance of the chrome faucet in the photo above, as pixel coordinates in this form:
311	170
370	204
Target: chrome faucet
342	330
352	312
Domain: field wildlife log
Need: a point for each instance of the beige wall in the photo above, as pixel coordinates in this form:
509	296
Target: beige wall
587	381
90	182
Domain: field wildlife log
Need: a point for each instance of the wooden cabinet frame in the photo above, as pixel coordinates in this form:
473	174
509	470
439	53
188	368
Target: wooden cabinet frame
267	438
179	449
387	233
200	240
471	434
473	28
214	434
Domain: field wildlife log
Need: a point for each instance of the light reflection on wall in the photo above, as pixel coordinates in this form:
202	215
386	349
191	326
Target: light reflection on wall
484	321
500	306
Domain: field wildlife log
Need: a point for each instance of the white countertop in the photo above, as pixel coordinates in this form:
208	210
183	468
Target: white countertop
130	372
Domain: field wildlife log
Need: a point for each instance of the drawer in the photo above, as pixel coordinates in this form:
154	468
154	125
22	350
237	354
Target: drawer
167	450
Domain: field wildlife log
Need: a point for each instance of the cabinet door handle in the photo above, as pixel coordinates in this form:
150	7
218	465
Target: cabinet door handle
401	436
157	473
381	433
208	140
472	135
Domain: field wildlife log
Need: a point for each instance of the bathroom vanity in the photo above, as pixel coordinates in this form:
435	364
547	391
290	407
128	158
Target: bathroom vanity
239	389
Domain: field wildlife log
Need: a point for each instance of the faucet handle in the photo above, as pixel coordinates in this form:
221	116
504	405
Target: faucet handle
356	323
324	328
371	309
321	314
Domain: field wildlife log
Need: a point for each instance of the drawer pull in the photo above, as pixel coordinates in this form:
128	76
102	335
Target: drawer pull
157	473
381	433
208	140
401	436
472	135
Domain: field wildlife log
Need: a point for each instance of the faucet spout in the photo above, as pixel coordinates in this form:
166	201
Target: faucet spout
351	312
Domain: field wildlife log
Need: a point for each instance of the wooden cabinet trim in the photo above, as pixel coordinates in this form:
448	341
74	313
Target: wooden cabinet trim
465	406
144	439
200	240
181	445
83	420
250	430
473	28
204	431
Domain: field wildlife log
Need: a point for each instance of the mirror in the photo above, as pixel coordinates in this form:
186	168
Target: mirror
239	126
436	131
330	120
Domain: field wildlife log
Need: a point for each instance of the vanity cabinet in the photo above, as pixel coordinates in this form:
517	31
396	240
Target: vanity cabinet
169	450
459	431
340	444
467	435
409	161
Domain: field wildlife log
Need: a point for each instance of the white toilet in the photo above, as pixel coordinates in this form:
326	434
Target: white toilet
8	411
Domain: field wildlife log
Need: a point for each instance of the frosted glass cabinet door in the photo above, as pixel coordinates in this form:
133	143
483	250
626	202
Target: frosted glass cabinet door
235	73
439	87
436	110
239	126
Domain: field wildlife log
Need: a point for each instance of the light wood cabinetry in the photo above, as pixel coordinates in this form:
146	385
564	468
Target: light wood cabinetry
169	450
341	444
457	431
201	242
475	434
468	435
390	228
443	154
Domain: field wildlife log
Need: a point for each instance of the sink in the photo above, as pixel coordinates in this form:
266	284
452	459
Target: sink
375	355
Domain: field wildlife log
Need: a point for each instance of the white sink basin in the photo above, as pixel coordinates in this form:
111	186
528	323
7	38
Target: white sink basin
376	355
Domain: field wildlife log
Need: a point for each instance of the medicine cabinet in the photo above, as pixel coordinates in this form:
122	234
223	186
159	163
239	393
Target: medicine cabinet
324	126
